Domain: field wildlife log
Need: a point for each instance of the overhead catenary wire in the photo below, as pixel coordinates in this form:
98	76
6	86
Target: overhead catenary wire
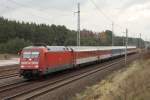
101	12
109	19
92	1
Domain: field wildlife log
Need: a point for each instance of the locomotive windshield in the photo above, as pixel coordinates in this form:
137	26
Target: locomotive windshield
28	54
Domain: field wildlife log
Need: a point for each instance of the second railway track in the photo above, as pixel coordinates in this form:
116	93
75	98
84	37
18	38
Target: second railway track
8	68
9	74
8	71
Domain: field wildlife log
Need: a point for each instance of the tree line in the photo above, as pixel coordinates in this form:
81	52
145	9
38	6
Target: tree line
15	35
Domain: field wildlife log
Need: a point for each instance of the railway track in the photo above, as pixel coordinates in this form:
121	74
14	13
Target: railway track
9	75
8	67
8	71
40	88
7	87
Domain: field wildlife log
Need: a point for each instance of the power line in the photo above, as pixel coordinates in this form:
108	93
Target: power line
101	11
105	15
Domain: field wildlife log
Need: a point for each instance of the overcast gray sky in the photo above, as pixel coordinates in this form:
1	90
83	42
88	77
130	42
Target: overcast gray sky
133	14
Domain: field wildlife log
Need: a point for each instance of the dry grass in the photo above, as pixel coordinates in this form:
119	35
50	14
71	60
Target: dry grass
130	83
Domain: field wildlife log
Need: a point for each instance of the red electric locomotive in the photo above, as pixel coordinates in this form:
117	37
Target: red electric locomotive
40	60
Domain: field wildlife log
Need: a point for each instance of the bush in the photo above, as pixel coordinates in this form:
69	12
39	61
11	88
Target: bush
14	45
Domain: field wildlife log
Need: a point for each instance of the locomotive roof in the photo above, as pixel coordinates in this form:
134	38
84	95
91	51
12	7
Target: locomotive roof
31	47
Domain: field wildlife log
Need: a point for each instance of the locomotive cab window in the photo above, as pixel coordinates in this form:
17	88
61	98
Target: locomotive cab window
28	54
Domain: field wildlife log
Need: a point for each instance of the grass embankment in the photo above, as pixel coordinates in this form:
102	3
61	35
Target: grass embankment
129	83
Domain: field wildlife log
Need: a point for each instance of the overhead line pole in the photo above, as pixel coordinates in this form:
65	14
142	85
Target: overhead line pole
140	44
78	26
126	46
112	37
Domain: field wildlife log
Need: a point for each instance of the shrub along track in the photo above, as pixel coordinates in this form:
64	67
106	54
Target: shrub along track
33	89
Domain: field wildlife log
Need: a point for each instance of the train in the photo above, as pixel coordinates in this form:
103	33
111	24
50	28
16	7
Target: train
36	61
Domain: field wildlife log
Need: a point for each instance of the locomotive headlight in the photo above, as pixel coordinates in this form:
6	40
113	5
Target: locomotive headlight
36	66
22	66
